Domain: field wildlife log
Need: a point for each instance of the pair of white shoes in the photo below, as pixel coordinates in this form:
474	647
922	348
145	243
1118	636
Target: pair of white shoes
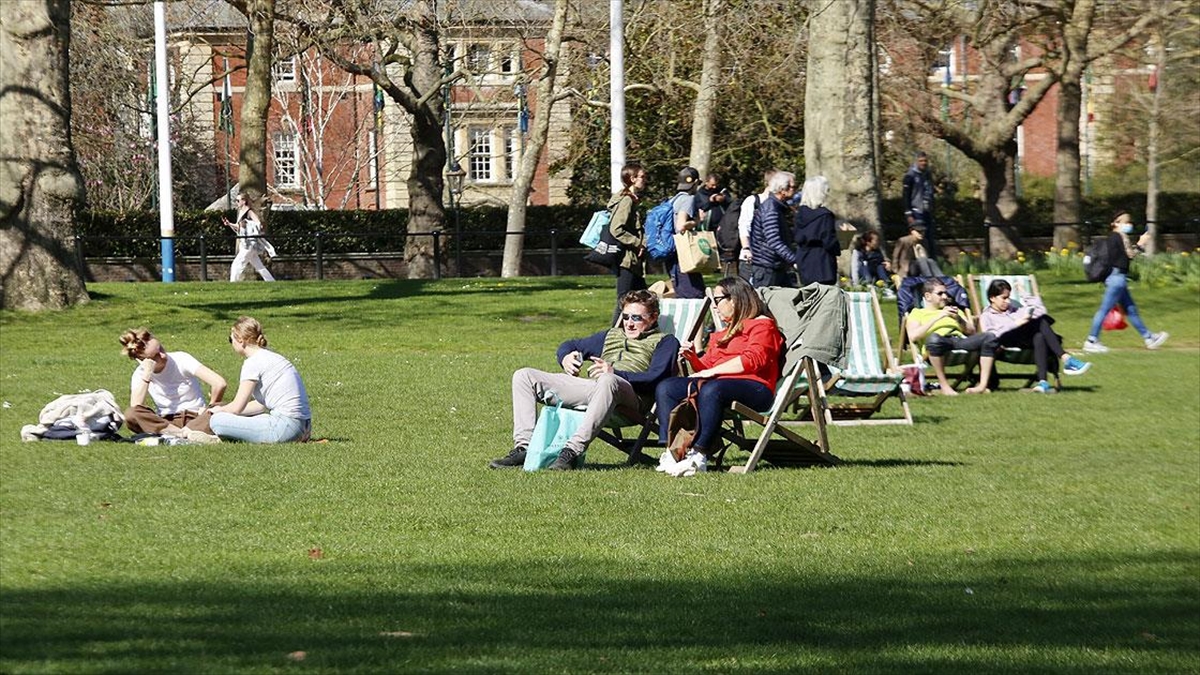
691	464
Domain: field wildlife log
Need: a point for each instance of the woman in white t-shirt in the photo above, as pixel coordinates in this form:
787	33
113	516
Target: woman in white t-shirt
271	404
172	380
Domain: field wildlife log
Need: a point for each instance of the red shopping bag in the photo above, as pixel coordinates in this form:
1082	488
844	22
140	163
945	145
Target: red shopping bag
1114	320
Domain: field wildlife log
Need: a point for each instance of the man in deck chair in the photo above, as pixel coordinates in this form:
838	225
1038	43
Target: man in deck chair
625	361
944	327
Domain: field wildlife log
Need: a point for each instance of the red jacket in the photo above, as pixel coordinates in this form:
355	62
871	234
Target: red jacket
759	344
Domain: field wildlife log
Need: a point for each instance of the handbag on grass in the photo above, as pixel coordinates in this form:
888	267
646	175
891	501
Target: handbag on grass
555	426
684	423
697	252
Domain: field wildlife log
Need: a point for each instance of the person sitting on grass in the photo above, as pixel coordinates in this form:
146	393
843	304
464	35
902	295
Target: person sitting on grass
868	267
626	360
944	327
742	363
172	380
271	404
1028	327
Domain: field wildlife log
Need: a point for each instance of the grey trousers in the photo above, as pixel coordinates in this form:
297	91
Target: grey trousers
599	397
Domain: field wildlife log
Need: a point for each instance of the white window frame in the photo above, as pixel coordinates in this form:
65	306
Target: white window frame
512	151
284	70
480	66
481	167
285	153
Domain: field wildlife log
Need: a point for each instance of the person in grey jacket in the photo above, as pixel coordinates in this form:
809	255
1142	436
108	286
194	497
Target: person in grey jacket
772	259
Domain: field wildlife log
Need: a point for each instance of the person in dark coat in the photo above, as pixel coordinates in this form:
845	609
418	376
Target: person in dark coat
815	235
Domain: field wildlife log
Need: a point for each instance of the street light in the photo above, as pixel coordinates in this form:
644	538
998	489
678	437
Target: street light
455	178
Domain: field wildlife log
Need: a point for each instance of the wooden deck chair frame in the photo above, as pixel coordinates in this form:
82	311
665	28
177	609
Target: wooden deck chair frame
791	449
886	367
1022	284
958	357
647	420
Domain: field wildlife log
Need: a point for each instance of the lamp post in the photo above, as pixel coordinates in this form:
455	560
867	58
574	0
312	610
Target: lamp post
455	178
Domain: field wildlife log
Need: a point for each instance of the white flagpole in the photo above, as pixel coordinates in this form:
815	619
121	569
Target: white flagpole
166	215
616	91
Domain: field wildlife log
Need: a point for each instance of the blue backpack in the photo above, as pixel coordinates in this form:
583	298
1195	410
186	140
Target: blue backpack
660	230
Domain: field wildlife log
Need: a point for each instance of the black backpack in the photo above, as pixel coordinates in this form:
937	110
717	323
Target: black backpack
1095	261
729	242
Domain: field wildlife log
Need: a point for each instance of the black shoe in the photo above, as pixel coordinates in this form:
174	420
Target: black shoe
565	462
516	457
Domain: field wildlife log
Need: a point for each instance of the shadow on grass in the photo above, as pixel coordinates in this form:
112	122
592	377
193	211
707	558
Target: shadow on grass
1050	615
898	463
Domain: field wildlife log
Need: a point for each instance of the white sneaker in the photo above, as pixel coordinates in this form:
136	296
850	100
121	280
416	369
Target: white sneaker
692	464
1156	339
1094	347
666	462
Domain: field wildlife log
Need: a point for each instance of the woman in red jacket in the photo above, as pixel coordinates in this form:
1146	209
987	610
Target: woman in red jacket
742	363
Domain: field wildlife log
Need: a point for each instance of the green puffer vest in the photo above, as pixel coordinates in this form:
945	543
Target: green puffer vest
632	356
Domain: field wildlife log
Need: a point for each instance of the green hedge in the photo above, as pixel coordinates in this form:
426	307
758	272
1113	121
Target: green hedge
293	232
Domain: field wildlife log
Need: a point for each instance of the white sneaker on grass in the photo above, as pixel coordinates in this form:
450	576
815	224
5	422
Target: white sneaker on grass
691	464
666	462
1156	339
1094	347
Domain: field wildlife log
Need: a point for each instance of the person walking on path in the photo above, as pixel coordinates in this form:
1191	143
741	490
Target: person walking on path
1116	286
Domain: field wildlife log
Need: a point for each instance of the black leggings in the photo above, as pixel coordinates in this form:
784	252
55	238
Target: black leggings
1038	336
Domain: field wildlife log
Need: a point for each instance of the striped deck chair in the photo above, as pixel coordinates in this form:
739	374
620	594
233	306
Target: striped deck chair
686	319
867	372
790	449
1023	286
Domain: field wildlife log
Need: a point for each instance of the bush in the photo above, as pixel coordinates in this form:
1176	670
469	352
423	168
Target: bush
135	234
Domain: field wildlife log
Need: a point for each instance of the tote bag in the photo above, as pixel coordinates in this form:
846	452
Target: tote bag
554	428
697	252
598	223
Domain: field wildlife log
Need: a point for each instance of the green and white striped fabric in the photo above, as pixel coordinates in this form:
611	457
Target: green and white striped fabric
864	373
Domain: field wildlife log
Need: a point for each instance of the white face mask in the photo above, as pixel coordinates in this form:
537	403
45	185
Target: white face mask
1125	228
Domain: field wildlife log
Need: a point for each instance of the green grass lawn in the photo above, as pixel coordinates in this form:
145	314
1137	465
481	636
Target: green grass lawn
1007	533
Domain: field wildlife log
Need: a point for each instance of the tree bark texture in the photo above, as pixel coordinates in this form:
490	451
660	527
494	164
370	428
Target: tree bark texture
704	111
1067	184
839	119
252	156
425	181
40	184
514	244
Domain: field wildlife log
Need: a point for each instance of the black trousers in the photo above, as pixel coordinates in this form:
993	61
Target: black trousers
1038	336
626	281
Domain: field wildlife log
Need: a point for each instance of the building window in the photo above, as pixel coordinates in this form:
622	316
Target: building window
479	59
479	140
286	159
284	70
512	153
510	62
373	149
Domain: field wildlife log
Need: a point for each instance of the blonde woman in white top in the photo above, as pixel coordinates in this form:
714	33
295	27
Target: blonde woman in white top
271	403
250	242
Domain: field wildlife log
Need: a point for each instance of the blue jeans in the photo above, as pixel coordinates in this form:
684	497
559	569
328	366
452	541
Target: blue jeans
1116	292
265	428
715	396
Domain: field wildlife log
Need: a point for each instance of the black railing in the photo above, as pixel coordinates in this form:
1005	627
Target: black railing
200	244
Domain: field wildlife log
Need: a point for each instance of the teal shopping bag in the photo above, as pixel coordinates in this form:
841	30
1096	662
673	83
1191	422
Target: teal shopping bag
554	428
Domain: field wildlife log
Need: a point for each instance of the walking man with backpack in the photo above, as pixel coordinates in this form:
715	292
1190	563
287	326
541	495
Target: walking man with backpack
1116	254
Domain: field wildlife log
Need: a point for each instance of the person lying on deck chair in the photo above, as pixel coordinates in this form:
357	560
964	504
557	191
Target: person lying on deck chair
625	361
943	327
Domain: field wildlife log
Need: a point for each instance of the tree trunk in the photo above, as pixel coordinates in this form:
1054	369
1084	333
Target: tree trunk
839	140
1156	98
1067	189
704	112
256	99
40	185
1000	201
514	244
426	213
